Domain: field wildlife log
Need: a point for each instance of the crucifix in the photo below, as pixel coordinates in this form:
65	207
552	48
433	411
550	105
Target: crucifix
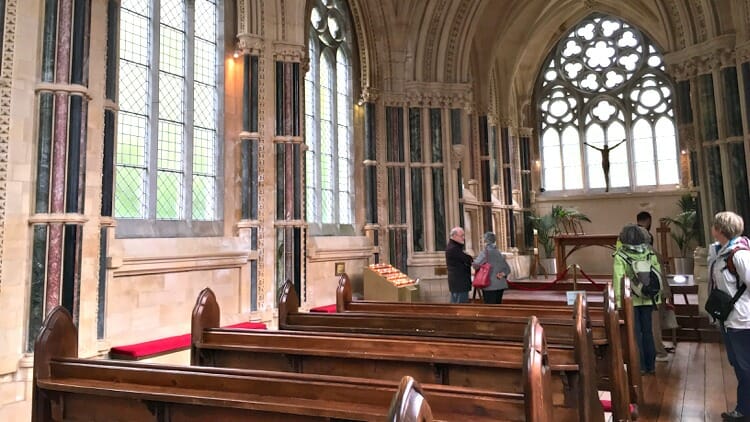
605	159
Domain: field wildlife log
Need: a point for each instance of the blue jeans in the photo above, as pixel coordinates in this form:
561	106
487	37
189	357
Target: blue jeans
460	297
738	351
644	335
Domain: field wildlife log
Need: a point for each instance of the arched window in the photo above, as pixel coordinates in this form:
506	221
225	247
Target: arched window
168	154
328	120
602	84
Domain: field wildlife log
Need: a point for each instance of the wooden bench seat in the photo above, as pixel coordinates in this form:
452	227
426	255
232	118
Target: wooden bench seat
546	311
613	375
480	364
66	388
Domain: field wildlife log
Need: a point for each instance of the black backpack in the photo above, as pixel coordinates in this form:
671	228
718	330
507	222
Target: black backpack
645	278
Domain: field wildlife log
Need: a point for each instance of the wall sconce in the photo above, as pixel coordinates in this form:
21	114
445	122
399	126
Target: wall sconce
236	54
537	163
360	102
684	152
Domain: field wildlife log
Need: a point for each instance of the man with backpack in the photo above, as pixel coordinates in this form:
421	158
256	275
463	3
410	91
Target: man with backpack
729	275
635	259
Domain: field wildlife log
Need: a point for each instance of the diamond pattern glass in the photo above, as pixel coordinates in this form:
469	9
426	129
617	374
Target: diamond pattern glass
171	97
205	24
134	179
173	13
602	71
169	195
204	198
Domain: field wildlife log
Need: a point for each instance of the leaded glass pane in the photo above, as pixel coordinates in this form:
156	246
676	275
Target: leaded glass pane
204	100
173	13
134	87
602	74
205	62
171	97
204	152
170	156
131	145
172	51
205	23
168	195
134	36
204	192
130	192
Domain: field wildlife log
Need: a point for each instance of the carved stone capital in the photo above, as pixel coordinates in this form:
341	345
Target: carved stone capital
457	154
369	94
249	44
526	132
286	52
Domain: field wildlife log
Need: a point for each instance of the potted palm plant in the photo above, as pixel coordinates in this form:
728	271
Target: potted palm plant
559	220
685	232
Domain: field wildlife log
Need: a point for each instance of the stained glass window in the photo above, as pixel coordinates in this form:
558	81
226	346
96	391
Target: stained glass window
167	146
328	119
605	105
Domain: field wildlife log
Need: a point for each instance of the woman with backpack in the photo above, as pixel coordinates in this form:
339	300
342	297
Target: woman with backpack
493	294
632	259
728	277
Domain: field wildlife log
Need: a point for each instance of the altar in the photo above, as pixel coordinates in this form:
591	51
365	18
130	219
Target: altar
580	241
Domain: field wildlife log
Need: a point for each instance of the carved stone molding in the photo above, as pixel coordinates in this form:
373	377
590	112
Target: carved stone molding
457	154
369	94
525	132
429	94
743	52
286	52
702	58
249	44
6	76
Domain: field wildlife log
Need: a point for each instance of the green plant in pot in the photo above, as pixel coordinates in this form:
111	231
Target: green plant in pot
685	232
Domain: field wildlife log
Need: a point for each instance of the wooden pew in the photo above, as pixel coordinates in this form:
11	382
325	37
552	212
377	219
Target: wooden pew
344	303
612	368
469	363
69	389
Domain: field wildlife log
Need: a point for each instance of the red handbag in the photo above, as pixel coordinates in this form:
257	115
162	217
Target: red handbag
482	276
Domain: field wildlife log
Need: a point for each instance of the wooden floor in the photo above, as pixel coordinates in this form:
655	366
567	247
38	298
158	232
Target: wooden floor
696	384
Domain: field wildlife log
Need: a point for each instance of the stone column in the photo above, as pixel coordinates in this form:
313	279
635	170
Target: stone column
58	215
289	147
370	162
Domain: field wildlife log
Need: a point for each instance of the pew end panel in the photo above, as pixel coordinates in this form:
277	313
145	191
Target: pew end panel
409	403
288	303
206	314
537	374
343	293
57	338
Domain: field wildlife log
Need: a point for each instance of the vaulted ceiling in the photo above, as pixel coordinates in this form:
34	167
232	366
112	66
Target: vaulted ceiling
499	45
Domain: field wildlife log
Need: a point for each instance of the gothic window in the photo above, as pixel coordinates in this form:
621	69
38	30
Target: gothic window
168	131
604	82
328	119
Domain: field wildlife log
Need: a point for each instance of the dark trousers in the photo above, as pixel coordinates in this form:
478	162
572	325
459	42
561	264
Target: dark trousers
738	351
644	335
493	297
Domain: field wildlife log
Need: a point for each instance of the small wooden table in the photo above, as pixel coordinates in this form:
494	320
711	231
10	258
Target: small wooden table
578	241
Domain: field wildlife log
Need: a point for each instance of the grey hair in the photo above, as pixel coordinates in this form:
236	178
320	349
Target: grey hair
633	234
729	224
454	231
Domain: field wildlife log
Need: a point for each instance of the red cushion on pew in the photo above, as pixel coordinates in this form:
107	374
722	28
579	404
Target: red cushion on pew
168	344
327	309
248	326
151	348
607	405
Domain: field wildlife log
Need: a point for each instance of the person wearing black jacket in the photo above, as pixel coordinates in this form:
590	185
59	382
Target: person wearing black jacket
459	267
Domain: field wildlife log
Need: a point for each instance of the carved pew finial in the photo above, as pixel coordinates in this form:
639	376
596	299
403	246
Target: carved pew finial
343	293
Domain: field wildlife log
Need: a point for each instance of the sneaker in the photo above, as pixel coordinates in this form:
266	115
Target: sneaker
734	415
664	358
